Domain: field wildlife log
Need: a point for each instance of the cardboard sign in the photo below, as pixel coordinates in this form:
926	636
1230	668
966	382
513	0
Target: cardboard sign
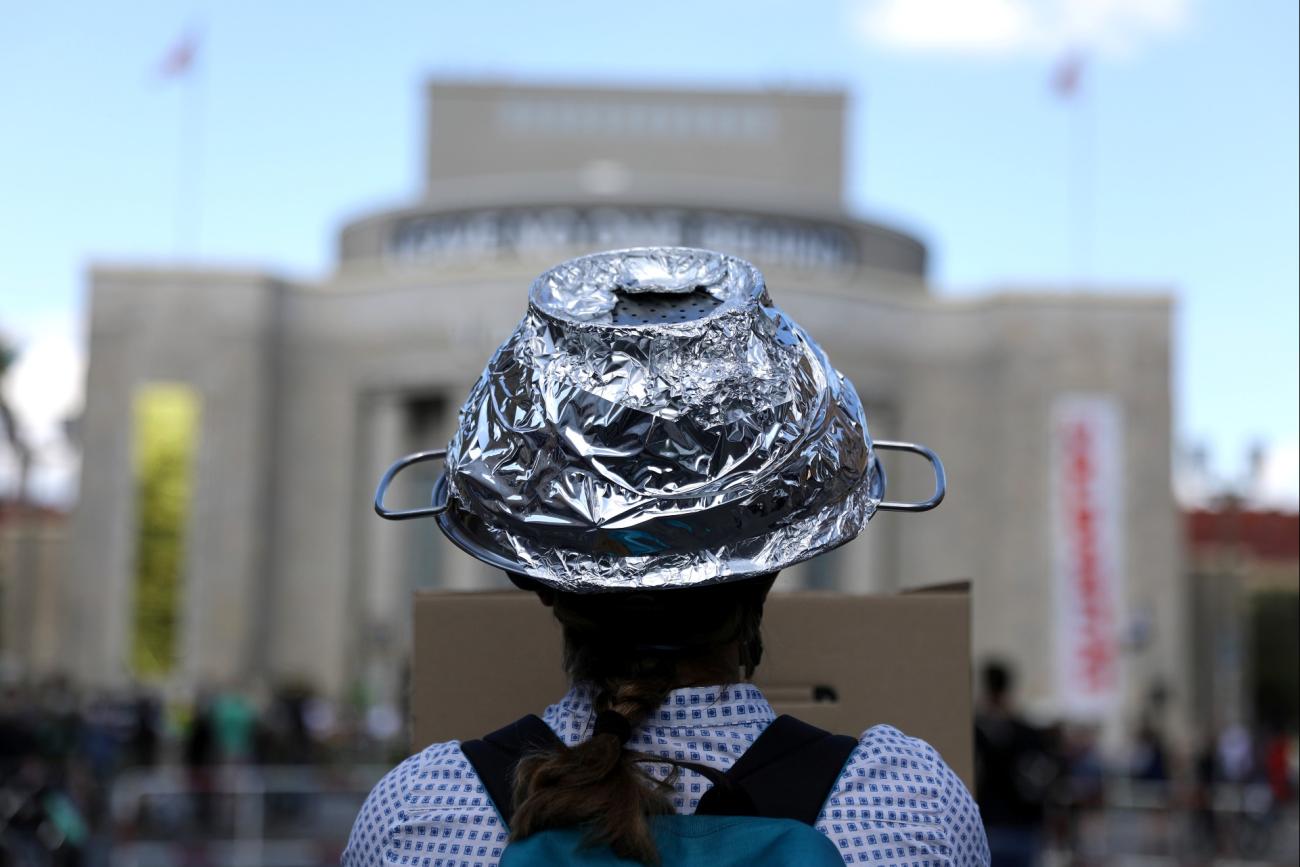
844	663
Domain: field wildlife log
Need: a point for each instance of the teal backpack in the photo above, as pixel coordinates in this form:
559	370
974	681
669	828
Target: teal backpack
759	813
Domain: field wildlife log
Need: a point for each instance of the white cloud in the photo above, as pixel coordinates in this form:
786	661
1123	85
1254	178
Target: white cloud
1278	483
956	26
1008	28
44	386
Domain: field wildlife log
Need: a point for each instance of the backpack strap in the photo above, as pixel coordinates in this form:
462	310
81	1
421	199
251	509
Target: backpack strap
495	756
786	774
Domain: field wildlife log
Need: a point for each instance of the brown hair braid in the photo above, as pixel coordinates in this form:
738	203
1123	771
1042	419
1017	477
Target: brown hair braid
632	650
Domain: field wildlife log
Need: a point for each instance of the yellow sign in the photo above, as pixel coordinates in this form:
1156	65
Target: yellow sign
166	440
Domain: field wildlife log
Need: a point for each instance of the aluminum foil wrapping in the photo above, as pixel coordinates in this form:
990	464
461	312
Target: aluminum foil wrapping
655	421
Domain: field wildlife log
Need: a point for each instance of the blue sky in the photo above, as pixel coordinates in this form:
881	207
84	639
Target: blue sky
311	112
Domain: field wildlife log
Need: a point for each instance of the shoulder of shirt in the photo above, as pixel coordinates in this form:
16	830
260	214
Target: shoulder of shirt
887	740
434	789
901	784
884	753
435	777
421	777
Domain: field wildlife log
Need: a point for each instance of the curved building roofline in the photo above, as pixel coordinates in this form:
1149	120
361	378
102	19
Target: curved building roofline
480	220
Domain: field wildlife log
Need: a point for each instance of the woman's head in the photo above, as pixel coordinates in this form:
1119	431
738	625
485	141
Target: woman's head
631	650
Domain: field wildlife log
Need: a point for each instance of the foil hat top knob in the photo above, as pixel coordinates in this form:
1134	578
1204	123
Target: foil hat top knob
647	287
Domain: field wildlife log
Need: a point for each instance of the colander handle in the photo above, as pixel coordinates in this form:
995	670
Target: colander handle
940	478
387	480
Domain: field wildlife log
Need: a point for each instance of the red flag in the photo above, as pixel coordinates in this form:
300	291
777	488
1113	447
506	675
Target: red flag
1067	74
181	57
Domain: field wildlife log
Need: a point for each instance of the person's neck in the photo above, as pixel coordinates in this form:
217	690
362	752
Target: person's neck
715	672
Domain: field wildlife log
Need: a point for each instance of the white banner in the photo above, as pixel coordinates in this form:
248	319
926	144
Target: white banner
1087	490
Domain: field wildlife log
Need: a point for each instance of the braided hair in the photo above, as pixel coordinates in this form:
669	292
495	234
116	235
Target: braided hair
631	650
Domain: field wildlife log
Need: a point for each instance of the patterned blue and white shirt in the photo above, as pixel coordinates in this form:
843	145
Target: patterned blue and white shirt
896	802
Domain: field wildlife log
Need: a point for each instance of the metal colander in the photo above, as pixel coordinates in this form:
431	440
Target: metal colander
656	421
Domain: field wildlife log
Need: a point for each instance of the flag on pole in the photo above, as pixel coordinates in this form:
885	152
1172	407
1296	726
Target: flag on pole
180	62
1067	74
180	58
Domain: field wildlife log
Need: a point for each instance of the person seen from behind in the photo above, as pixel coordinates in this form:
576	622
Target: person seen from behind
653	445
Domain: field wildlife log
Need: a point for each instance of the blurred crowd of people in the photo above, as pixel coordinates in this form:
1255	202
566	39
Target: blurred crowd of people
62	751
1040	788
1052	787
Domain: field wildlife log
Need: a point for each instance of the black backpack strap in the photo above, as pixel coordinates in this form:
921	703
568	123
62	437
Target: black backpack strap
495	756
786	774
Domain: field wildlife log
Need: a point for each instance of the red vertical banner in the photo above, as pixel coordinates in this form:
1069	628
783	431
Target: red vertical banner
1087	496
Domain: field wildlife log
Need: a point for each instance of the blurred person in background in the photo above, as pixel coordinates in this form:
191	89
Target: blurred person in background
1149	769
1280	764
1016	769
1235	753
200	758
1205	776
43	819
1081	793
1150	758
146	730
234	724
286	738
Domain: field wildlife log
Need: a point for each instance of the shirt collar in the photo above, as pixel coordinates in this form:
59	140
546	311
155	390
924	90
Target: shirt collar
739	704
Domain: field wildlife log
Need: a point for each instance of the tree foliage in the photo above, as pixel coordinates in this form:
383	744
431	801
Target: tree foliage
1275	622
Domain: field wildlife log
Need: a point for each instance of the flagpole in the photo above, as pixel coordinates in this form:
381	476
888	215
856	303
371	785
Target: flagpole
1081	207
189	158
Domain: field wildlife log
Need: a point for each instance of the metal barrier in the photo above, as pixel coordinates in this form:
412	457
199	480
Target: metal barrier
1165	823
236	815
300	816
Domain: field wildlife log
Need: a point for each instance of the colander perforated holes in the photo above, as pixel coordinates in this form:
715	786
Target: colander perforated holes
654	308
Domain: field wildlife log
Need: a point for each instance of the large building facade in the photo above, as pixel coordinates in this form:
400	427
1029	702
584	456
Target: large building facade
299	394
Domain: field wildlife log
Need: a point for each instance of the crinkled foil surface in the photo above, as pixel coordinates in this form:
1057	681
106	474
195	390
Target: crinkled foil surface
599	451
